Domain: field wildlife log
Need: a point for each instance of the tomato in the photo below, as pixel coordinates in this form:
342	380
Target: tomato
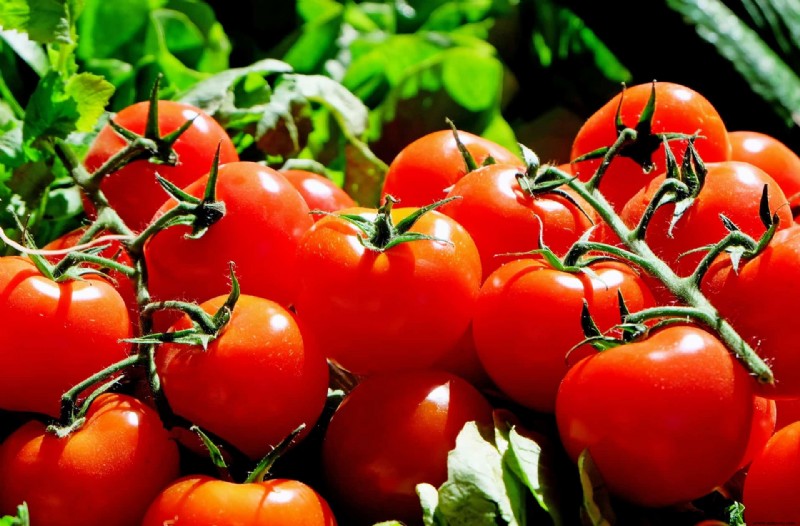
731	188
763	427
665	419
115	251
788	410
264	220
106	472
392	432
55	335
133	190
462	360
400	308
770	488
200	500
769	154
254	384
423	172
756	300
678	109
528	360
319	192
502	218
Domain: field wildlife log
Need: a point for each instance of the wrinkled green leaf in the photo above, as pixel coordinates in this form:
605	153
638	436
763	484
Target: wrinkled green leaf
91	94
762	68
29	51
429	500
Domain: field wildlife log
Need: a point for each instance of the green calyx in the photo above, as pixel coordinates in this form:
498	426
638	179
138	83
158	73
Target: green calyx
381	234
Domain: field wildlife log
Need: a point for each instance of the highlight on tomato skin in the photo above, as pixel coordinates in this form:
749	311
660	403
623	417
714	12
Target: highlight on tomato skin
133	191
319	192
769	154
678	109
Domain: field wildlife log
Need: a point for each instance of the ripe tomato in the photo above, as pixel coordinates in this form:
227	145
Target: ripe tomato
55	335
756	298
401	308
770	488
423	172
788	410
199	500
392	432
528	360
665	419
124	285
264	219
731	188
502	218
678	110
319	192
763	427
106	472
133	190
769	154
254	384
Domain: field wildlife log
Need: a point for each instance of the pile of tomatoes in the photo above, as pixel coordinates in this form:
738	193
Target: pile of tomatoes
226	304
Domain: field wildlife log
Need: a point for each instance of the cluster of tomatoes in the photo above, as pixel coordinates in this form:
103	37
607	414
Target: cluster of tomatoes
464	282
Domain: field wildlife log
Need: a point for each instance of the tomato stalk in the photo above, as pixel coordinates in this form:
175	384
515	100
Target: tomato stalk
642	255
261	471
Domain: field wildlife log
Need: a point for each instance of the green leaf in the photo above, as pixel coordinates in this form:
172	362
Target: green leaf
91	94
22	518
596	504
429	500
102	36
473	79
766	73
479	491
45	21
29	51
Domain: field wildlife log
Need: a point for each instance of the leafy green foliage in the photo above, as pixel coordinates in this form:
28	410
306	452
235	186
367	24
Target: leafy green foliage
22	517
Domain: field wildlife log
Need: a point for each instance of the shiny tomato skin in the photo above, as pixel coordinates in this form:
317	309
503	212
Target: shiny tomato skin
763	427
503	219
392	432
199	500
423	172
264	220
133	190
55	335
115	251
731	188
319	192
402	308
106	472
666	419
527	360
788	412
770	487
755	299
678	109
769	154
254	384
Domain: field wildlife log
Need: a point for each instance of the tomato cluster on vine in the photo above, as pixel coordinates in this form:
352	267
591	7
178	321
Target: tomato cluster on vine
635	296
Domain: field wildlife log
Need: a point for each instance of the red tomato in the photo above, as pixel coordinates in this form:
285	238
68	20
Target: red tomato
731	188
769	154
401	308
502	218
106	472
392	432
55	335
124	285
319	192
763	426
756	300
528	360
254	384
678	110
462	360
264	219
788	410
770	488
201	500
423	172
665	419
133	190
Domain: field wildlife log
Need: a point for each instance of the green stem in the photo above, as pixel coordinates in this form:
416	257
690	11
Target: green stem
195	312
682	287
625	137
68	399
261	471
8	97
